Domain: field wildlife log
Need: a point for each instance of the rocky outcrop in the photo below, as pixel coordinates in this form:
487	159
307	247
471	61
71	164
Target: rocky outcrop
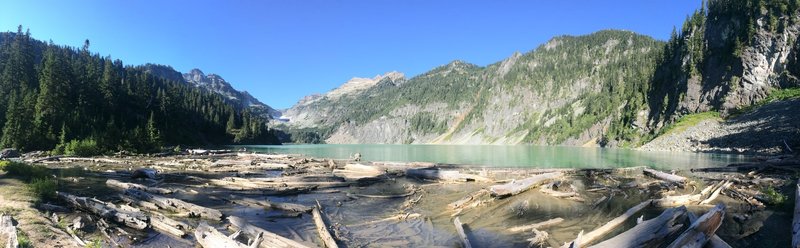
217	84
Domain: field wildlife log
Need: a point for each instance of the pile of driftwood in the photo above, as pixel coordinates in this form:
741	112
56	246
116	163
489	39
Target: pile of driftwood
140	204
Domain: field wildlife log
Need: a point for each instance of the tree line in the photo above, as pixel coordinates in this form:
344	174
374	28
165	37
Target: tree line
59	98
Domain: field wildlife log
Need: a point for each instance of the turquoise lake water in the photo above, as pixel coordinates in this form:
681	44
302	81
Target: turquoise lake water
510	156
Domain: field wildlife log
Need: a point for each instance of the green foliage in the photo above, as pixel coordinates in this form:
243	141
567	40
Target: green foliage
690	120
773	196
95	243
43	188
82	148
426	122
3	164
25	171
54	94
23	240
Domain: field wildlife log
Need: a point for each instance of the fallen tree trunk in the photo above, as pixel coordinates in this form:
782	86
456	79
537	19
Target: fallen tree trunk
270	240
209	237
292	207
165	224
649	232
664	176
461	234
359	172
516	187
444	175
716	192
322	229
467	199
176	205
608	227
8	231
542	224
124	186
701	230
105	210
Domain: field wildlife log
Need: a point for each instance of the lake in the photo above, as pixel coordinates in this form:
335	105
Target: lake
510	156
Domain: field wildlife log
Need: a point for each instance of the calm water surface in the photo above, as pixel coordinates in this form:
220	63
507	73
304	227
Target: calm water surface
511	156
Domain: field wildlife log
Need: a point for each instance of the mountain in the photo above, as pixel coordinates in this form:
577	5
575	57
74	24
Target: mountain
564	92
66	99
609	88
215	83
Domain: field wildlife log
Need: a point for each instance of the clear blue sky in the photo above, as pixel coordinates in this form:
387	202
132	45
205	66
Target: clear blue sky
282	50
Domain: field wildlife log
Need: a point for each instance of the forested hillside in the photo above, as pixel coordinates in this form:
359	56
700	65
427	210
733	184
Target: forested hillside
60	98
611	87
569	90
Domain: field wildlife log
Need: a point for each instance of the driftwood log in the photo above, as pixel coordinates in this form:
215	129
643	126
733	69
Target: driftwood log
444	175
209	237
322	229
701	230
176	205
165	224
664	176
649	232
614	223
539	225
359	172
519	186
467	199
461	234
124	186
250	202
270	240
135	220
8	232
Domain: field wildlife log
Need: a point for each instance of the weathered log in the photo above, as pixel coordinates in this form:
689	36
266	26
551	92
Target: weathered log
8	232
124	186
614	223
678	200
52	208
649	232
322	229
461	234
716	241
701	230
796	220
516	187
270	240
716	193
359	172
548	189
209	237
664	176
444	175
539	225
247	184
539	238
106	210
165	224
467	199
250	202
176	205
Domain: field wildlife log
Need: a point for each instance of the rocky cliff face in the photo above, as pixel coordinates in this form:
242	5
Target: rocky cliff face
216	84
738	59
